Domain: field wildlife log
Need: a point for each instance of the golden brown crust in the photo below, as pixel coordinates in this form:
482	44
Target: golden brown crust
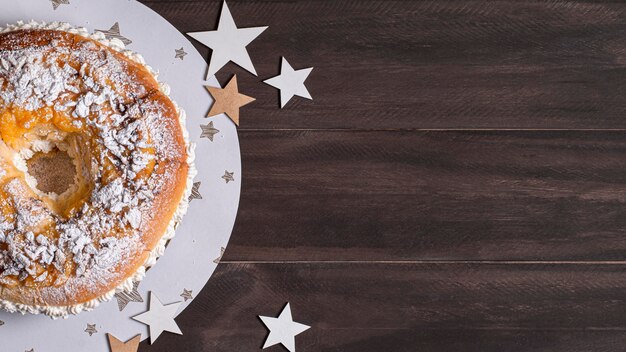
171	158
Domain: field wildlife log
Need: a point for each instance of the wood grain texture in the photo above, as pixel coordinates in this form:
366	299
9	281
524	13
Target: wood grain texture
462	195
411	307
430	64
457	183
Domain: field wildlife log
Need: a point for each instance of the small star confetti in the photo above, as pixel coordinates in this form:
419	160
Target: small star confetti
283	329
228	43
114	32
228	176
208	131
129	346
91	329
218	259
57	3
180	53
159	318
228	100
1	323
186	294
123	298
290	82
195	191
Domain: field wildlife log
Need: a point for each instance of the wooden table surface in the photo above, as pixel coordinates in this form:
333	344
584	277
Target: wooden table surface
457	183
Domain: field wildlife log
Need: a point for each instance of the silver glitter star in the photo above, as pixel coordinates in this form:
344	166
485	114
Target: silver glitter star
217	260
91	329
123	298
180	53
57	3
195	191
186	294
208	131
228	176
114	32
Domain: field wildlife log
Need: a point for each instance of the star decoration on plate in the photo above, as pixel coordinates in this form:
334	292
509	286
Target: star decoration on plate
283	329
195	191
114	32
123	298
57	3
218	259
91	329
228	43
208	131
290	82
131	345
180	53
186	294
228	176
159	318
228	100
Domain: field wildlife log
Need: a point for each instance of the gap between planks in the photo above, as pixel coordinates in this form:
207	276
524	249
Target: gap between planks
432	129
463	262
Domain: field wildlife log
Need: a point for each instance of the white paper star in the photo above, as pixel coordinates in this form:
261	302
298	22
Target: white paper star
228	43
290	82
283	329
159	317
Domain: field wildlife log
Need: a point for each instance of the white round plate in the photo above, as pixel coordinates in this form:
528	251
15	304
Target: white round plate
191	256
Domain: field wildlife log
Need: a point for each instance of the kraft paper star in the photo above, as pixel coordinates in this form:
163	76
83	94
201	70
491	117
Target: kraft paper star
228	100
218	259
283	329
131	345
57	3
208	131
195	191
180	53
290	82
123	298
186	294
228	176
159	318
228	43
91	329
114	32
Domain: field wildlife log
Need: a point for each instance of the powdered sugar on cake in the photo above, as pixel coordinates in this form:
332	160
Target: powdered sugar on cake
117	204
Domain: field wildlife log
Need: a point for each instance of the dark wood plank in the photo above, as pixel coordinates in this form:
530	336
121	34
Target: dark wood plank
334	195
430	64
465	199
411	307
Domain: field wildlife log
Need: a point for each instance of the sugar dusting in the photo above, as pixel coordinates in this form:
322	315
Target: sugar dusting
109	108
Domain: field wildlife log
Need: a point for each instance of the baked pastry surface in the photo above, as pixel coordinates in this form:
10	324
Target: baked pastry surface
65	91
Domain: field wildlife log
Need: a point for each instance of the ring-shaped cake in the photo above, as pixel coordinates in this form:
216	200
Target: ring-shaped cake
63	90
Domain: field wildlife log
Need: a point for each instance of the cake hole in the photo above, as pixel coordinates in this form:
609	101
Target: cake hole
54	171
